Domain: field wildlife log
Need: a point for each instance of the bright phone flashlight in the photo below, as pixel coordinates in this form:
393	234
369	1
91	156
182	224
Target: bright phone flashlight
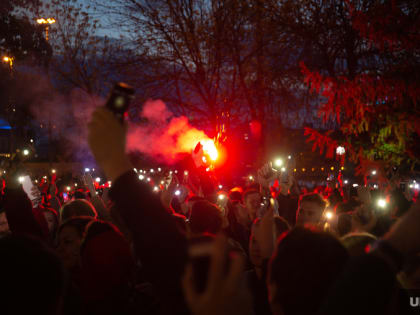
381	203
278	162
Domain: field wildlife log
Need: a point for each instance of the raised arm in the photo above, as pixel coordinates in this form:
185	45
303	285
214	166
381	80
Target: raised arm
161	248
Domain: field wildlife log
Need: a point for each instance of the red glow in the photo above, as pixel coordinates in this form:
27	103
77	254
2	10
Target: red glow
255	127
165	136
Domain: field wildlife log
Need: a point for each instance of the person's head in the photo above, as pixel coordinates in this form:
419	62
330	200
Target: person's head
254	248
252	202
79	194
77	208
70	236
310	209
4	225
106	261
205	218
357	244
51	217
32	277
235	195
303	268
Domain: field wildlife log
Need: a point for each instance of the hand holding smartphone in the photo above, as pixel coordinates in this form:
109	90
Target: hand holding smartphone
119	100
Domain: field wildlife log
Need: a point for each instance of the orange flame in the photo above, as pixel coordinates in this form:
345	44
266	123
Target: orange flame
210	149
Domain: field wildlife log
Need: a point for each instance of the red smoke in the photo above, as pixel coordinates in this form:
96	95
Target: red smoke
165	136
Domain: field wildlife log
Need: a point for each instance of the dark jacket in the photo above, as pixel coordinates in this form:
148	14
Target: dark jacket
158	244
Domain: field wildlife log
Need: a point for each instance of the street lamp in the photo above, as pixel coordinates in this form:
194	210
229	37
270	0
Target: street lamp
47	23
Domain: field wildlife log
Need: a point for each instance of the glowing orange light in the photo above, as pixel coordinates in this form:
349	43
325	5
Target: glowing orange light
210	149
45	21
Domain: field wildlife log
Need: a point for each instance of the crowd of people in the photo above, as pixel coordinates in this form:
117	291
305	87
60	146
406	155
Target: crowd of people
188	247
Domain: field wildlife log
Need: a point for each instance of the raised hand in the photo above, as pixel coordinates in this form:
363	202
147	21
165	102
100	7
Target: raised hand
224	293
168	193
266	175
107	138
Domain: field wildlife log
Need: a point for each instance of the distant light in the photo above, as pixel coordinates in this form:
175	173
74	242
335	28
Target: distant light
220	186
36	181
45	177
204	159
141	177
177	192
176	171
322	169
135	170
156	188
251	177
170	172
68	188
21	179
381	203
295	170
355	185
75	184
93	169
222	197
208	169
411	186
148	179
26	152
346	181
278	162
303	170
152	170
159	169
162	182
186	173
342	168
32	140
109	183
87	169
340	150
373	172
416	186
53	171
98	180
289	157
332	168
375	186
283	169
328	215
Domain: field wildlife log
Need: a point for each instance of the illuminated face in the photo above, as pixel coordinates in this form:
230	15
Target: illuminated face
252	204
308	213
69	246
4	226
51	221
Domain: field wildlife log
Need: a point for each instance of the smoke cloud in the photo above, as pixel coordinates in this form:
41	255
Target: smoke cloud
165	136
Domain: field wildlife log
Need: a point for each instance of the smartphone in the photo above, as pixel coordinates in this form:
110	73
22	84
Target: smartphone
119	100
200	250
